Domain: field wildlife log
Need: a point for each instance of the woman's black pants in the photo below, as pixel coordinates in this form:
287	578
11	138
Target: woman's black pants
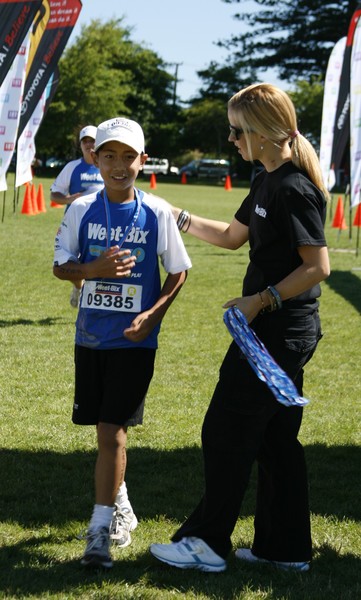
245	423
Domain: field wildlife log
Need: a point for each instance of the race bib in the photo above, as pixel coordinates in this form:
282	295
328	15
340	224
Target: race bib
107	295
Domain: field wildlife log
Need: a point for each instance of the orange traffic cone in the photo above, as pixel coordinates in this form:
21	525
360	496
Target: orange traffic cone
339	218
184	178
228	183
33	199
40	201
153	181
27	208
357	219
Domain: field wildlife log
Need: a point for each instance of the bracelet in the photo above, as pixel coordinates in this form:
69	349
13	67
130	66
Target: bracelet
182	219
272	305
263	306
189	224
276	296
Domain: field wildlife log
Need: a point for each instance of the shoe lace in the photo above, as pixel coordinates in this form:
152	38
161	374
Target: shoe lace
97	539
122	519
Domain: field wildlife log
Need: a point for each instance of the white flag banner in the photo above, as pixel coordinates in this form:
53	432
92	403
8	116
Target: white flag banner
11	92
25	152
330	97
355	117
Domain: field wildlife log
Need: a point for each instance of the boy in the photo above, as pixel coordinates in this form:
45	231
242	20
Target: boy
112	239
77	178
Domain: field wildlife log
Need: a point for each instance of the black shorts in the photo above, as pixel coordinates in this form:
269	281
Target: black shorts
111	385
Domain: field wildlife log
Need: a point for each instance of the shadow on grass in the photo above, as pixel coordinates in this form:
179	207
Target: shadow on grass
133	578
49	321
49	488
347	285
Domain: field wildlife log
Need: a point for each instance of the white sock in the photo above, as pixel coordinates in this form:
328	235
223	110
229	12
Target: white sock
101	517
122	496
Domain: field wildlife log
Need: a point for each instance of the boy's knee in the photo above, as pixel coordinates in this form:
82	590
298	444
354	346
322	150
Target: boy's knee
111	436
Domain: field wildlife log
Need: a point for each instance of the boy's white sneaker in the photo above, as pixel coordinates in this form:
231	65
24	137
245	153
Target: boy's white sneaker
124	521
247	555
189	553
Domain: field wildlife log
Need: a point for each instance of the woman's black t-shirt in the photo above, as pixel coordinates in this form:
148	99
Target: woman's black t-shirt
284	210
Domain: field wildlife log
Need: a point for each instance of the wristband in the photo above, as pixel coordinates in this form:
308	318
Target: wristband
182	219
276	296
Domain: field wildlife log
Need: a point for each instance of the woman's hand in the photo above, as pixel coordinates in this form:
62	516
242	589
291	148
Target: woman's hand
250	306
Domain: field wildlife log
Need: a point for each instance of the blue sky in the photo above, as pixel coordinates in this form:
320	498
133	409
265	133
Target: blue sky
181	31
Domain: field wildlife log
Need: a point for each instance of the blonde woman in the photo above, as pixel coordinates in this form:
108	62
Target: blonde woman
282	218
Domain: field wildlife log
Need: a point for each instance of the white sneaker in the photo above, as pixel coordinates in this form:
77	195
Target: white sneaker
189	553
247	555
74	297
124	521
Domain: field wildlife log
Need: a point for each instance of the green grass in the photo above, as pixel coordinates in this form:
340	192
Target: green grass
46	463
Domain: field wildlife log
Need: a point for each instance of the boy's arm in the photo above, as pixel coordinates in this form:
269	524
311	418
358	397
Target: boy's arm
113	262
145	322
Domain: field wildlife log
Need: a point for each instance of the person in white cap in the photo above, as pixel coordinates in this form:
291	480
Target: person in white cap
114	240
77	178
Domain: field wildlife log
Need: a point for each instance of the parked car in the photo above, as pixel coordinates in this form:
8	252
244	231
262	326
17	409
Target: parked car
190	169
206	167
158	166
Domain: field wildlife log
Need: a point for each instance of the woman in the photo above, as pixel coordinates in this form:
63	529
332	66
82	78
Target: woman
282	218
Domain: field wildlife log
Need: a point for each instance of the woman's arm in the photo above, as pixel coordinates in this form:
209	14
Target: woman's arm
225	235
315	268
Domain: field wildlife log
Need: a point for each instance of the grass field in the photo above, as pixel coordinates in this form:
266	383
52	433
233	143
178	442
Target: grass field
46	463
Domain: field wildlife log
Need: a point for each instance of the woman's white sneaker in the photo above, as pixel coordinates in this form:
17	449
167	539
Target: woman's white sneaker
247	555
189	553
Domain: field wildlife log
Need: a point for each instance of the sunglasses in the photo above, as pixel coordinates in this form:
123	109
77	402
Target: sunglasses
236	131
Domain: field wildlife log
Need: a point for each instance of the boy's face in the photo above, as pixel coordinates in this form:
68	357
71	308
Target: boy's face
119	166
87	145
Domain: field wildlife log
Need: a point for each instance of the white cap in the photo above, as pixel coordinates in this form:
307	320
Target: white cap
121	130
88	131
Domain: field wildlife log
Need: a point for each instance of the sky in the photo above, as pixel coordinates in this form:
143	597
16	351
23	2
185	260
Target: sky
181	32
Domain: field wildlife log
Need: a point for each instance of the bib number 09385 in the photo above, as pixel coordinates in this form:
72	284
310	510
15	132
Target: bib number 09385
109	301
106	295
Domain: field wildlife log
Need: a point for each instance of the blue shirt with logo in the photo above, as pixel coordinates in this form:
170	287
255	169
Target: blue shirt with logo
108	306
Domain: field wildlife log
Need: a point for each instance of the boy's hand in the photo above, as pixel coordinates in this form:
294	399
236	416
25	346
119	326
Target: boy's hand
140	327
113	263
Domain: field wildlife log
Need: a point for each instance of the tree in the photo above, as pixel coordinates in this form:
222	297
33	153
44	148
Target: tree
102	75
308	99
206	128
221	82
295	37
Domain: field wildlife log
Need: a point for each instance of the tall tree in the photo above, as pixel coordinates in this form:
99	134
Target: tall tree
294	37
308	98
104	74
221	82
